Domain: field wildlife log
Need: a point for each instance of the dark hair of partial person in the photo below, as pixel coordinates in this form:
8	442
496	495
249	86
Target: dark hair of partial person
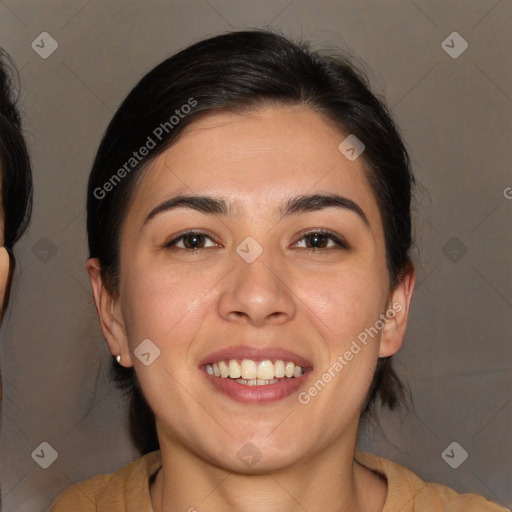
16	174
239	72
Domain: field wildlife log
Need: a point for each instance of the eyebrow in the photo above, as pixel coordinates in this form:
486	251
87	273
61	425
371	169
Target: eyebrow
295	205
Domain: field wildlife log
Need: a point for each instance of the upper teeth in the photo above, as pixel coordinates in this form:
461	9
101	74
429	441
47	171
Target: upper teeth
248	369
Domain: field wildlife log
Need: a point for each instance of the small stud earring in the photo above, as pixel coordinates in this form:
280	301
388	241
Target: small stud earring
118	358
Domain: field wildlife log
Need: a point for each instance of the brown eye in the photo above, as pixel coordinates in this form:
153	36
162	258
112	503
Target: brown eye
321	240
316	241
191	241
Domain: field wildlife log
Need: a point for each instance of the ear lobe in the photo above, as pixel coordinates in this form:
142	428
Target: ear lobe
111	319
393	333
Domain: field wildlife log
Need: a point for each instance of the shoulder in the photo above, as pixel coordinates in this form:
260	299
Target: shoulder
408	492
446	498
130	484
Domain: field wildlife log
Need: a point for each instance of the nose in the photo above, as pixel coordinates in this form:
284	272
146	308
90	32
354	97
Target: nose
257	293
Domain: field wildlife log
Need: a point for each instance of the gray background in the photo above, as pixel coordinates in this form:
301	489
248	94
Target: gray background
455	115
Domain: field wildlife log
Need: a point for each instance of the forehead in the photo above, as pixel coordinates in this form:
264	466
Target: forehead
257	159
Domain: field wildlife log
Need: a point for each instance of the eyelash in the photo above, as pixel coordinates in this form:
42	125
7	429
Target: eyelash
339	241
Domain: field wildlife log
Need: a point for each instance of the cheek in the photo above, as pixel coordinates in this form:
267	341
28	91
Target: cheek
344	307
4	273
167	307
165	303
345	302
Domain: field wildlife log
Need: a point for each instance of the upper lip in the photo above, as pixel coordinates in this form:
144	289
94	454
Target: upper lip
256	353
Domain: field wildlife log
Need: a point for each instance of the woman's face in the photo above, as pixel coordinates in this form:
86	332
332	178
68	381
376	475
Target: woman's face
4	255
4	278
259	286
4	262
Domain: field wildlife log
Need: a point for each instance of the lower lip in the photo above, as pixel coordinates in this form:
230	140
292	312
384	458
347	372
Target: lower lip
256	394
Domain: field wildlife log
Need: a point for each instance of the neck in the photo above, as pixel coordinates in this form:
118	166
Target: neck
331	480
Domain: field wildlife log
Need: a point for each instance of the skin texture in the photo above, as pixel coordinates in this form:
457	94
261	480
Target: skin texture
4	275
4	256
4	269
313	302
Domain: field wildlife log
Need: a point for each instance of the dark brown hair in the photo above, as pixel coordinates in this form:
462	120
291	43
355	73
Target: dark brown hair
16	175
240	71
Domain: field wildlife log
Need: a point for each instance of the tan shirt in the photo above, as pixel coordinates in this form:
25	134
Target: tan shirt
127	490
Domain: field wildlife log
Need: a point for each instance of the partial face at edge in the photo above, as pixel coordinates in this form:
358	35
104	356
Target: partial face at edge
4	257
307	294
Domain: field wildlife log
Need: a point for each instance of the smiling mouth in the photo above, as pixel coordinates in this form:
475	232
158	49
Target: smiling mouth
253	372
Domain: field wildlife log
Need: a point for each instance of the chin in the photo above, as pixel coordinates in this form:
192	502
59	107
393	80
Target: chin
249	460
257	454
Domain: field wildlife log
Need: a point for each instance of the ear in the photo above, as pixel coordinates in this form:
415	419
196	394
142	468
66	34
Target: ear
397	315
109	311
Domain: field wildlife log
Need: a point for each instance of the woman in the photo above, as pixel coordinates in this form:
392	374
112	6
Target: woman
249	228
16	179
16	176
